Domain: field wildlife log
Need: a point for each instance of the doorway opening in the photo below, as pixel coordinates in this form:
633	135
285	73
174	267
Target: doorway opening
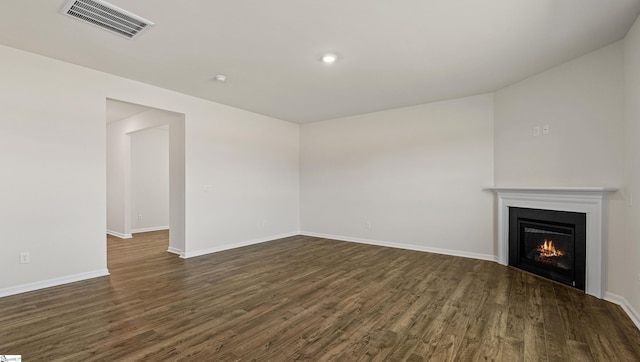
145	157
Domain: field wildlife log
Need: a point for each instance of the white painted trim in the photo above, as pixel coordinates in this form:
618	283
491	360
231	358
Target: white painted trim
52	282
146	230
555	189
193	254
176	251
591	201
413	247
119	235
626	306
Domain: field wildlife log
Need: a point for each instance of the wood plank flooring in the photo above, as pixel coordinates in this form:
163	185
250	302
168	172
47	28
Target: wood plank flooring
305	298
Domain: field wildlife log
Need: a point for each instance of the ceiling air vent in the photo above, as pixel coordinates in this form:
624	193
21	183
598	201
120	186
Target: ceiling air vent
108	17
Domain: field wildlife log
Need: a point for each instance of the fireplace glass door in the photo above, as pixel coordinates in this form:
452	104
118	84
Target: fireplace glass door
549	243
548	250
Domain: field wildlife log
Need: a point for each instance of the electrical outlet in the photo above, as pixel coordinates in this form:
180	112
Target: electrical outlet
367	224
25	258
546	129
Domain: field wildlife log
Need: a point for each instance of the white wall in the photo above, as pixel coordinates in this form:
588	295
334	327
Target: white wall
52	152
582	102
417	174
150	179
631	251
251	172
53	185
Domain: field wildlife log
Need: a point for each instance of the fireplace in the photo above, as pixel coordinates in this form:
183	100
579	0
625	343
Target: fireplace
549	243
589	201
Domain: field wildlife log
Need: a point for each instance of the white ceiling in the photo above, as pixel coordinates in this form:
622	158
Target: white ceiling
391	53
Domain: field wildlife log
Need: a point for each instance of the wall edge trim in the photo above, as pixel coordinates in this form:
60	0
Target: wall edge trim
413	247
146	230
119	235
175	251
625	305
42	284
193	254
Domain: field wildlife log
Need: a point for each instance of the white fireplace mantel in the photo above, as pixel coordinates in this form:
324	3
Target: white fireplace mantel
589	200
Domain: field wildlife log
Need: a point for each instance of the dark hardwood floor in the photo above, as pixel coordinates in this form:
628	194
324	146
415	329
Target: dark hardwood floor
305	298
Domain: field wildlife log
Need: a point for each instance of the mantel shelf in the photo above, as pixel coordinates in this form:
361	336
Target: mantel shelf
553	189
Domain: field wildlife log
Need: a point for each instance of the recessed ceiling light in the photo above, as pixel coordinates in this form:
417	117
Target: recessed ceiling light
220	78
329	58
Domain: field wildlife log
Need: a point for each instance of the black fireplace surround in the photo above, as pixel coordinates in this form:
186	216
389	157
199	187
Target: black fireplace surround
549	243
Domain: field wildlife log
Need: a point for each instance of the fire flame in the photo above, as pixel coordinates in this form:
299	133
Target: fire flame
547	249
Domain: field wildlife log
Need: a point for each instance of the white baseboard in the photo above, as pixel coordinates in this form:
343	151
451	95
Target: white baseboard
192	254
626	306
146	230
427	249
176	251
29	287
119	235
